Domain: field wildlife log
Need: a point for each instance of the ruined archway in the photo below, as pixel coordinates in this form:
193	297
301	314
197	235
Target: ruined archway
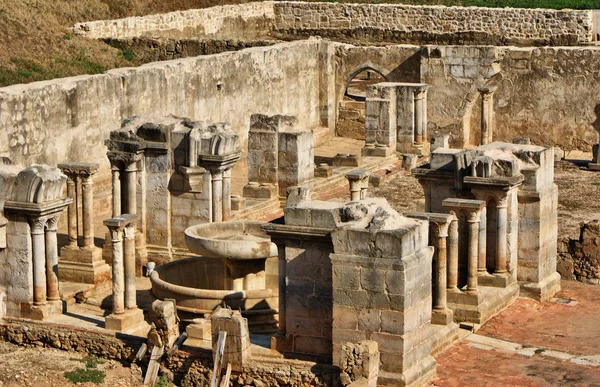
351	110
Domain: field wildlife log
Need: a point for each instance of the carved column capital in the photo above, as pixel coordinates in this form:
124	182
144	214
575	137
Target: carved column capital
502	201
52	223
474	217
440	230
37	225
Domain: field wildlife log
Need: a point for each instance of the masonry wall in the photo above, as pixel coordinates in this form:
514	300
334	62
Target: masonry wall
249	20
68	119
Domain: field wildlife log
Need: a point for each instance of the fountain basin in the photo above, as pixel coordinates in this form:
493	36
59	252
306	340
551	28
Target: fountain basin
235	240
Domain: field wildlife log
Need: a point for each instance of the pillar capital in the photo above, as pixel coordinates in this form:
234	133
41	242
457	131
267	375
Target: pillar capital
52	222
487	91
38	225
420	91
83	170
123	159
502	201
474	216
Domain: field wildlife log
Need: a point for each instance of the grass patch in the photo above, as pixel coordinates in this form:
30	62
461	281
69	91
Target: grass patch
127	54
81	375
162	381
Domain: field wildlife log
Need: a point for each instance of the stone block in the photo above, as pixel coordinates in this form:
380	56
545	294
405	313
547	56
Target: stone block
347	160
323	170
345	317
312	345
124	321
260	191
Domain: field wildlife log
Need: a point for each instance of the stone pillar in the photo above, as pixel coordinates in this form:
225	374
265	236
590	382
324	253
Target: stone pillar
87	210
452	282
217	195
282	288
52	259
473	259
487	113
131	182
482	267
227	195
118	272
381	132
38	241
420	114
501	240
358	181
129	266
72	211
116	190
125	314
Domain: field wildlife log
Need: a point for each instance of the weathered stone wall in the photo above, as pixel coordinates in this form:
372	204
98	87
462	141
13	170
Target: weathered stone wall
375	22
68	119
434	23
243	20
580	259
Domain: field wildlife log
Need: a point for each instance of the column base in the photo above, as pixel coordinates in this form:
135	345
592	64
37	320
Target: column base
129	320
496	280
84	265
377	151
442	316
479	307
42	312
260	191
543	290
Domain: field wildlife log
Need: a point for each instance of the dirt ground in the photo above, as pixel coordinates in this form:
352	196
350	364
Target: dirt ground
43	367
577	189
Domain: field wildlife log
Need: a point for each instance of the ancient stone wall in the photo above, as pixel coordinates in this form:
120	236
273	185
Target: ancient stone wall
580	259
68	119
249	20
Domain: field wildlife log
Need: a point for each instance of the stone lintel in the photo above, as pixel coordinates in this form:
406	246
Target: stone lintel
432	174
191	171
120	221
37	209
468	204
357	175
76	168
161	147
505	183
431	216
286	232
487	89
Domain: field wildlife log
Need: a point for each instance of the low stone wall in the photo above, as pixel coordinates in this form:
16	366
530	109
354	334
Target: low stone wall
440	24
373	22
229	21
580	259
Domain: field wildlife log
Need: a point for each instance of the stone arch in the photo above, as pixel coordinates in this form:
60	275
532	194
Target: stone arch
351	109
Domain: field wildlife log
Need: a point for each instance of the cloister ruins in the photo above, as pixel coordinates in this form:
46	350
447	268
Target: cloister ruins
216	181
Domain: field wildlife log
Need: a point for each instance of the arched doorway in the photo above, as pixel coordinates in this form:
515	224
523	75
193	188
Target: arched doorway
351	110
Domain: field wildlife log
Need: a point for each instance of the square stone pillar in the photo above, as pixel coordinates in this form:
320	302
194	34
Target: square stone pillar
296	160
380	121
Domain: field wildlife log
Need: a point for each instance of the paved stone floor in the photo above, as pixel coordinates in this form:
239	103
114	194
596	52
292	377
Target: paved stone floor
531	344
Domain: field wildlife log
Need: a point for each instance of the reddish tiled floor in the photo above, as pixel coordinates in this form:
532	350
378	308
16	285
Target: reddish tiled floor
464	365
573	329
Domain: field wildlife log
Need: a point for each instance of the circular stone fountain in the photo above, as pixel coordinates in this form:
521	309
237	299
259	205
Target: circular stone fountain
230	271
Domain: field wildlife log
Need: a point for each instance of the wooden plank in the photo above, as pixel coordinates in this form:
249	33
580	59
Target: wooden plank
225	382
216	376
153	366
141	352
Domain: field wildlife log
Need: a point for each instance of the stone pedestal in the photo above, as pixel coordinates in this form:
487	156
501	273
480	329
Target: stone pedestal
359	184
123	322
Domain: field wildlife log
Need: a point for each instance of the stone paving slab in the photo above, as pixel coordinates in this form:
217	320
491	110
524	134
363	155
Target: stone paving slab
552	325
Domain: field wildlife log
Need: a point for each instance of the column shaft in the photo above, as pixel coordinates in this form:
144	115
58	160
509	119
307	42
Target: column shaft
282	287
38	242
116	191
217	196
453	255
419	117
485	116
72	213
473	256
87	211
501	238
52	260
118	280
439	301
129	267
354	190
482	267
227	195
131	178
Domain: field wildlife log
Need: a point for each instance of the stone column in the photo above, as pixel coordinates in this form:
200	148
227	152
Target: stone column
452	282
482	266
473	259
420	114
72	211
116	190
118	272
227	194
440	235
38	241
356	180
487	113
217	195
129	266
501	240
52	259
131	181
87	210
